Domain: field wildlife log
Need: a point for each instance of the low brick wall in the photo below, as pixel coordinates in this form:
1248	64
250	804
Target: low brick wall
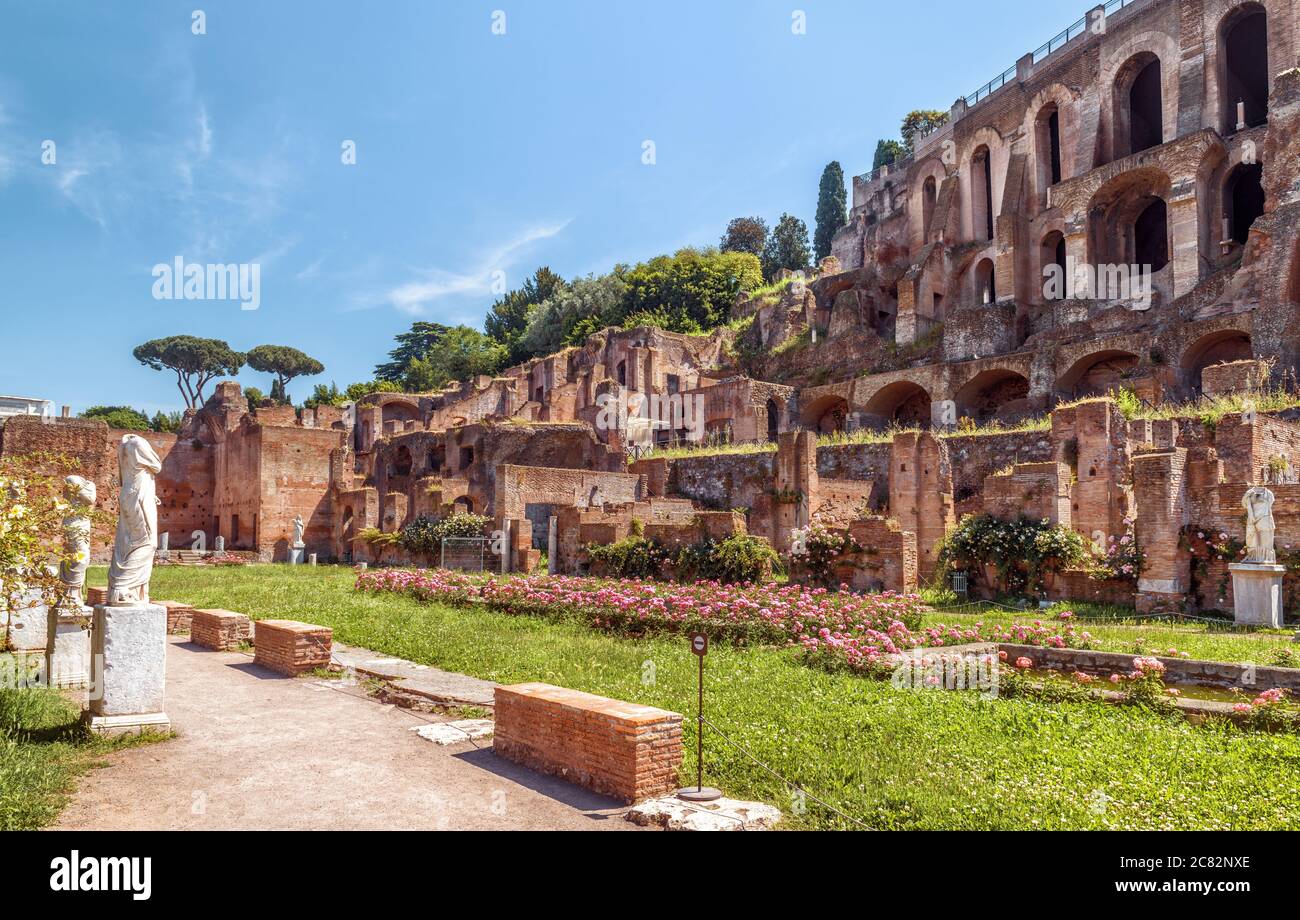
179	617
623	750
96	596
219	630
1177	670
292	648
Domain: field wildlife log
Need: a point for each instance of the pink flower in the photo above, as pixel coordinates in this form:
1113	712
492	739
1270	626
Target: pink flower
1024	664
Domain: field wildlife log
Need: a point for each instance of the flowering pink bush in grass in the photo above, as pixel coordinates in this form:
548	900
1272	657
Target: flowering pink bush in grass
835	629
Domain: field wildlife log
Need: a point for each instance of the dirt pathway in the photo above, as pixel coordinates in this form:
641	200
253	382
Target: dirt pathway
257	751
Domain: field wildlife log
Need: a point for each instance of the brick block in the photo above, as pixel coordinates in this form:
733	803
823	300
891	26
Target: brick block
623	750
179	617
219	630
291	648
96	596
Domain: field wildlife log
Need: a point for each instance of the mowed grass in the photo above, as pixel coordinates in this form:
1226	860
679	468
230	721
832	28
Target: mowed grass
889	759
1119	630
43	749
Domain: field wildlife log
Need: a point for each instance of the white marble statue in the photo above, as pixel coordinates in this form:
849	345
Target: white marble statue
298	528
1260	528
137	524
81	494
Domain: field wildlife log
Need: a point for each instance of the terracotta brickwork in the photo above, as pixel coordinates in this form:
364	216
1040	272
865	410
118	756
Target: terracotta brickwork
291	648
219	630
623	750
180	617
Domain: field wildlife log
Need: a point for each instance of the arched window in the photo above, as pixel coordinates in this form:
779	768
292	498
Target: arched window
773	419
1052	253
929	195
986	288
1243	71
1049	147
981	194
1151	235
1146	109
1243	200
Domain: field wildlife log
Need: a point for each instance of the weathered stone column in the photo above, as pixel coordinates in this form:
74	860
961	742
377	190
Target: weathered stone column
552	545
1184	234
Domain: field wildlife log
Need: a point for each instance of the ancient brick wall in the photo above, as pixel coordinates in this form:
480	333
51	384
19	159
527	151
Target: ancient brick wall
623	750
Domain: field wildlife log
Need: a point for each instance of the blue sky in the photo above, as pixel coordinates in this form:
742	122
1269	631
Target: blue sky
475	153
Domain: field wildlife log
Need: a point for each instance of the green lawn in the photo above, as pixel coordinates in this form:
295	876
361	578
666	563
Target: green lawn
42	750
893	759
1216	641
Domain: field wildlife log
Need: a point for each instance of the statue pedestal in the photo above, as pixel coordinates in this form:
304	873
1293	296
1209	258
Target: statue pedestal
67	649
128	670
28	624
1257	594
297	554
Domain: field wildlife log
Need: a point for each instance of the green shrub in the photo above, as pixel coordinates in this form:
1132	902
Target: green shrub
632	557
741	558
425	535
1022	550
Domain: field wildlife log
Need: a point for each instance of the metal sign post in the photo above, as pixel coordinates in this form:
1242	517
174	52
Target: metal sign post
699	648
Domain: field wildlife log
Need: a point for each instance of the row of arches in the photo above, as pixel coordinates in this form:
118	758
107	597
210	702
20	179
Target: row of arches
1003	393
1142	115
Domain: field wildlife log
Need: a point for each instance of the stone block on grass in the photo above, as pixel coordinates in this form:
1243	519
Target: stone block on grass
292	648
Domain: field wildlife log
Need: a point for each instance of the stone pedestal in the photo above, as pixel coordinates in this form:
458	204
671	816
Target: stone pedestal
28	624
128	670
1257	592
68	649
296	555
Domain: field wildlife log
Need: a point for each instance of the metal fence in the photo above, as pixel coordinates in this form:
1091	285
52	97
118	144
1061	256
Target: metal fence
1055	44
465	554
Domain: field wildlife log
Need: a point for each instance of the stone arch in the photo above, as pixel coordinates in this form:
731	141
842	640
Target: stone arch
347	526
1242	69
927	181
902	403
995	393
774	409
1052	251
1214	348
1120	72
1051	124
982	209
1114	234
402	463
826	414
463	505
1096	374
984	277
1243	200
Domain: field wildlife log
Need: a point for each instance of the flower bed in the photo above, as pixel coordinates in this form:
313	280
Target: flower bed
835	629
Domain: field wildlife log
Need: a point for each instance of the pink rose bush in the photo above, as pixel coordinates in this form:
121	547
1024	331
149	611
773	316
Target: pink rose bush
858	631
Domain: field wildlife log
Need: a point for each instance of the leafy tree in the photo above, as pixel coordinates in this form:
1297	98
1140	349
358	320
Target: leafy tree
168	422
921	122
745	234
460	354
832	209
286	363
787	248
694	289
254	396
331	395
888	152
195	361
123	418
589	302
509	317
410	345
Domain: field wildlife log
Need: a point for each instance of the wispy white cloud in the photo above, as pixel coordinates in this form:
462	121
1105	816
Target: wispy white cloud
416	297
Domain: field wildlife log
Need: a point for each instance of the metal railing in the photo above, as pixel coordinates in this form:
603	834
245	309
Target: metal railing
1053	45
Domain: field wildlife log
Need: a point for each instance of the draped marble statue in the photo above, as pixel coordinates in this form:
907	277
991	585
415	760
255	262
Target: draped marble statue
298	528
81	494
1260	527
136	539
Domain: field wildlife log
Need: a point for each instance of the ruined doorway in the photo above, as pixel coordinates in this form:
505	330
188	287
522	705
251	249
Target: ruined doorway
1146	109
1151	235
1244	200
1243	73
